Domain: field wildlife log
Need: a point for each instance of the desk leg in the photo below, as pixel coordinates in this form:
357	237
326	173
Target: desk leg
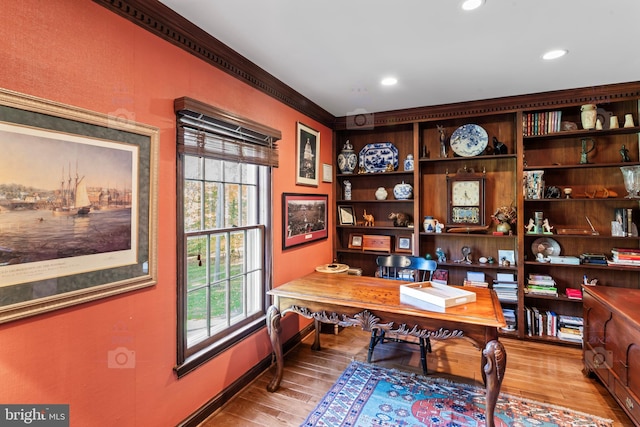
494	361
316	337
274	329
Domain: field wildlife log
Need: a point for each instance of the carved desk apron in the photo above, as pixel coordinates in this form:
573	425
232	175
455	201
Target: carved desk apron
373	303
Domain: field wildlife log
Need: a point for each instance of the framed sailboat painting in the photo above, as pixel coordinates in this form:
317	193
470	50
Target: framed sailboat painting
77	205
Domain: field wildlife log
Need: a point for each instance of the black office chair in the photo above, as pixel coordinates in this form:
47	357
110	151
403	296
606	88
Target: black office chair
407	268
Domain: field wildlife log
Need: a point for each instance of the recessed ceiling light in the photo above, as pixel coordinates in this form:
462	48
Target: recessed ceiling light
389	81
471	4
554	54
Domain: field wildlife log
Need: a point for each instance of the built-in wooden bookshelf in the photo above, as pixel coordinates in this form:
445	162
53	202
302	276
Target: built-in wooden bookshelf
592	173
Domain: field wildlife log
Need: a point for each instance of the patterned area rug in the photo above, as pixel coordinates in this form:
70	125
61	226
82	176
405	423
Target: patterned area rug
367	395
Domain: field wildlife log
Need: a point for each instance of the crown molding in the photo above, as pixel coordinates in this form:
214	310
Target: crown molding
543	100
162	21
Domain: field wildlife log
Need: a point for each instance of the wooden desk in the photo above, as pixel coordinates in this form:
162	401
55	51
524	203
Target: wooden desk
373	303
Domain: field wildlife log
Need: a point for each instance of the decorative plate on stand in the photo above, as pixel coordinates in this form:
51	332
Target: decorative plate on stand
469	140
375	157
545	246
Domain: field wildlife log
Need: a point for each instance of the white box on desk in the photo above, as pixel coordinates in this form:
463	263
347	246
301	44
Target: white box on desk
435	294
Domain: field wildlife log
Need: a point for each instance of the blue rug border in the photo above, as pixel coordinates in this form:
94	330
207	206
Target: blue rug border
346	375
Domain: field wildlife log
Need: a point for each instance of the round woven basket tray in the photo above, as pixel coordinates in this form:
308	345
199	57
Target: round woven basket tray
332	268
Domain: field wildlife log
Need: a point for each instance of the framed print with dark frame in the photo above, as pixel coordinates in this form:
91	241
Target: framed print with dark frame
79	203
346	215
355	241
404	244
305	218
307	155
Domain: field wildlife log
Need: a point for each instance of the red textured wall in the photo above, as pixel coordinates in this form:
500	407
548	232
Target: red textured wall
78	53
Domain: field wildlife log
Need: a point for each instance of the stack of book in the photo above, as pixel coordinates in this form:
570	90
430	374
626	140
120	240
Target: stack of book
510	318
475	283
588	258
625	256
540	323
541	284
476	279
570	328
506	287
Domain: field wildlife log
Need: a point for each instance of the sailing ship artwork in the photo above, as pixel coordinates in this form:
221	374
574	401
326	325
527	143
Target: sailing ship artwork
67	204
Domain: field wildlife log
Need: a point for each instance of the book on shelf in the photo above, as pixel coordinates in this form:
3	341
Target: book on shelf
573	293
510	318
570	328
542	277
625	256
564	319
541	284
541	322
541	123
626	219
588	258
475	283
507	291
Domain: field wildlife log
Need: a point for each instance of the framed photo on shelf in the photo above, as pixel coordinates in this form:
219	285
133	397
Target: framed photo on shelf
404	244
307	155
355	241
440	276
79	237
507	255
304	217
346	215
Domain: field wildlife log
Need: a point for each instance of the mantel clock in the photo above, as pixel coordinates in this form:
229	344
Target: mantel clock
465	198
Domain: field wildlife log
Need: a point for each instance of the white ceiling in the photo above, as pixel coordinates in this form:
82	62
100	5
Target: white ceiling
335	52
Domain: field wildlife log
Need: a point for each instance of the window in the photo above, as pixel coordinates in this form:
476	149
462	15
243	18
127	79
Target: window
224	229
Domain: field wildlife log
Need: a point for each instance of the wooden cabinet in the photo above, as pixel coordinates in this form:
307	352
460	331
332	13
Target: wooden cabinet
612	343
586	161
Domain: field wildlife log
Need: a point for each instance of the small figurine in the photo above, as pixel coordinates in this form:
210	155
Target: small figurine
583	154
438	227
531	226
546	226
442	257
390	167
625	154
400	219
499	147
443	142
466	255
368	219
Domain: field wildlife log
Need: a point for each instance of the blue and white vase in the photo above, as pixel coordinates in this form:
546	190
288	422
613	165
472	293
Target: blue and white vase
347	159
347	190
408	163
403	191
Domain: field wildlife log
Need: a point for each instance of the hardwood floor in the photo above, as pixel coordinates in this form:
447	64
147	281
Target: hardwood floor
537	371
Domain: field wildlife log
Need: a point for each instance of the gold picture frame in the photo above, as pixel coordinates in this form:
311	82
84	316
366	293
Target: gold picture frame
65	254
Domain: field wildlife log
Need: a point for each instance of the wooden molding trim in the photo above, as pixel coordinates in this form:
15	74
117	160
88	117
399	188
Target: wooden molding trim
543	100
158	19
